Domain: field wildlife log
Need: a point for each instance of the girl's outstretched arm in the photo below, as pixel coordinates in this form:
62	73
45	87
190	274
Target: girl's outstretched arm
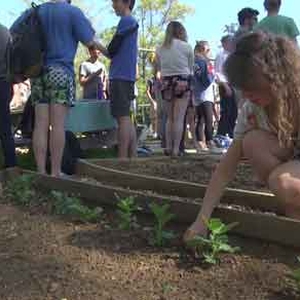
224	173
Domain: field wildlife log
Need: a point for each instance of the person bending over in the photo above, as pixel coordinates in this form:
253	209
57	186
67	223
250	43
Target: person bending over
266	68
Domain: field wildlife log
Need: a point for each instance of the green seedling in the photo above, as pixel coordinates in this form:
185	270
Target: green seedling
162	216
20	190
295	275
72	206
126	209
216	243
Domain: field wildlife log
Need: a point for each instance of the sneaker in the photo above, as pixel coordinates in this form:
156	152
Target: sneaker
216	150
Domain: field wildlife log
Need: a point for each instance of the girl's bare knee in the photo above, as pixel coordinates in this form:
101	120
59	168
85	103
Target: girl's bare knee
283	186
278	182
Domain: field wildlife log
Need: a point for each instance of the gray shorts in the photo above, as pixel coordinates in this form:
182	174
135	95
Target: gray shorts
121	95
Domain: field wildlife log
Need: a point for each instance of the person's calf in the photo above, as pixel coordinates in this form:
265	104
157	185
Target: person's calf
57	145
133	142
124	136
40	145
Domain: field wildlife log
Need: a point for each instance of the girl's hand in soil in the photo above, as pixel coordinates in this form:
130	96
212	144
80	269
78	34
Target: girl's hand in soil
196	229
224	172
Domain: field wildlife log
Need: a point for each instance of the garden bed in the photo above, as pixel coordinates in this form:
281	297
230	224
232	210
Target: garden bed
194	169
44	256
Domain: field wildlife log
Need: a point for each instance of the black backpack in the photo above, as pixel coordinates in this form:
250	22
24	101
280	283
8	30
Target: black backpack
27	47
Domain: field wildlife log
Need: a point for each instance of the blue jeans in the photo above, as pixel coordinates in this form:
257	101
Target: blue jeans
6	136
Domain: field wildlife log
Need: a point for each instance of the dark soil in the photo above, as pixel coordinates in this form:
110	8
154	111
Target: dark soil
190	169
45	257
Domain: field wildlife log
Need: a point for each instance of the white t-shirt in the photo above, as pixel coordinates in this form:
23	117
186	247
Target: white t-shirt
219	65
250	117
208	94
176	60
91	88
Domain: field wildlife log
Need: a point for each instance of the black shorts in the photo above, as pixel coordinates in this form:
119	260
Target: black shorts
121	95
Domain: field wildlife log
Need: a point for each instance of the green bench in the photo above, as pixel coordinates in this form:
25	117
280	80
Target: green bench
90	116
91	120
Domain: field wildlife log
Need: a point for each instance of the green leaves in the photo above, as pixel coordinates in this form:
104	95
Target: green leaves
295	275
162	216
126	209
72	206
216	243
161	213
20	190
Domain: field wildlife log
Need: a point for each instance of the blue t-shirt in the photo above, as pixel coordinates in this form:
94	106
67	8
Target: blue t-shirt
123	63
64	26
203	77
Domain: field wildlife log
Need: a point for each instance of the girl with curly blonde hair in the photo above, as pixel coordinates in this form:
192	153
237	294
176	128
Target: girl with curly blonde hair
266	68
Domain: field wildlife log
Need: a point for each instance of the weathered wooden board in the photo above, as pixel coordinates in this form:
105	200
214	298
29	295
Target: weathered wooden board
255	200
268	227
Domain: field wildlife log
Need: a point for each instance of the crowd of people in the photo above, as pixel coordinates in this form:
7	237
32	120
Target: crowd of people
53	91
189	89
256	75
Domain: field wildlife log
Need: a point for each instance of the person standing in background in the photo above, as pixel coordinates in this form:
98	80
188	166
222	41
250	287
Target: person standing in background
276	23
123	52
6	136
53	91
93	76
151	84
175	63
228	105
247	18
204	97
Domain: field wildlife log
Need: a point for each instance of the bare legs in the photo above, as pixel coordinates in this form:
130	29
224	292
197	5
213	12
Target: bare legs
192	125
273	165
176	110
127	138
46	115
57	136
40	136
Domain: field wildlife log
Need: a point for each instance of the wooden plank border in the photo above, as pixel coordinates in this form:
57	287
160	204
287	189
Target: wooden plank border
265	226
255	200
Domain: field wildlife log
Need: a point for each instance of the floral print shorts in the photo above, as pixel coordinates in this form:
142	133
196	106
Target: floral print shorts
54	86
176	87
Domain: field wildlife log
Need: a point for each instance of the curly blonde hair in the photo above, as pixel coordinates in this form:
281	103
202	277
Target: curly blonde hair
261	57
